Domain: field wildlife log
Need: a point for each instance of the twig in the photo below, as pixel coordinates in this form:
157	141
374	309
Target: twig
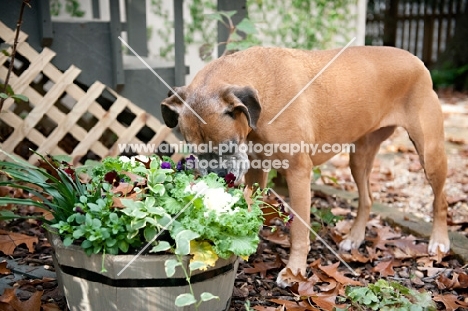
13	53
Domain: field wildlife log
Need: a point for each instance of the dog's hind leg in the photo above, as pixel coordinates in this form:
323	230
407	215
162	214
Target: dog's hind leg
426	130
361	162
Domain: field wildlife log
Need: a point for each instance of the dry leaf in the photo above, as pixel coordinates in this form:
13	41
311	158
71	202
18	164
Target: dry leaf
260	308
383	236
290	278
333	272
450	302
355	256
325	301
10	240
10	299
51	307
3	268
123	188
385	268
293	306
307	288
277	237
263	267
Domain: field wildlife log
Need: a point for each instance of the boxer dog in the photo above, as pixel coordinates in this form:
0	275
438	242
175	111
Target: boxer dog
360	98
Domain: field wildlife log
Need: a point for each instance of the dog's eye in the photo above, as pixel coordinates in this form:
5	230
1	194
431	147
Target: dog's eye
231	114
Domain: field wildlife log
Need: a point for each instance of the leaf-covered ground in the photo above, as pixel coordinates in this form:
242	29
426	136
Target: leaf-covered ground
388	254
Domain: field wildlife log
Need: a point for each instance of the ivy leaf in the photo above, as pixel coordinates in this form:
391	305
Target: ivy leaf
157	188
19	97
3	95
9	89
215	16
247	26
170	265
183	239
5	52
207	296
219	15
185	300
162	246
195	265
235	37
203	252
149	233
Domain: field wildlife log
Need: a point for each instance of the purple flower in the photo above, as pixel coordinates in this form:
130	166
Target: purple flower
79	210
165	165
180	165
112	178
190	162
230	179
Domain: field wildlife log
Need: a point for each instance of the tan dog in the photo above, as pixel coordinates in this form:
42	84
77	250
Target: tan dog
360	98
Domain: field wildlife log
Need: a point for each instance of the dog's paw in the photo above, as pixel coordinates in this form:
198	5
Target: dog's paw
287	277
347	245
440	244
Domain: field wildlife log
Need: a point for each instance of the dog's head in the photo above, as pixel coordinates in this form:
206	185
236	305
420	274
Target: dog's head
216	123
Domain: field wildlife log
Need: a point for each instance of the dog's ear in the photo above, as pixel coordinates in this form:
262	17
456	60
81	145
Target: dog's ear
172	105
247	102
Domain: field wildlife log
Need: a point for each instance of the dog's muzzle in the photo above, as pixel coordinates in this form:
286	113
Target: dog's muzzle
237	164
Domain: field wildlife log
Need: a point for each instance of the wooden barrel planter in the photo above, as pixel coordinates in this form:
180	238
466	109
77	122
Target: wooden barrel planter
142	286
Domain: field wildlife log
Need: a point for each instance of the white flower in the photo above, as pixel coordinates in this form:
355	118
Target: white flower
218	200
124	159
196	188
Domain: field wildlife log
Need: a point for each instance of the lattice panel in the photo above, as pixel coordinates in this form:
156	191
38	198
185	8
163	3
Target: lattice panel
63	118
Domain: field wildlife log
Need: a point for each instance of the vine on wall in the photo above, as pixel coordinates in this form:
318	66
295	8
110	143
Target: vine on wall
303	24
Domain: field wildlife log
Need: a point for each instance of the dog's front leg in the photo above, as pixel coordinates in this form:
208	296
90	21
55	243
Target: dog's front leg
298	180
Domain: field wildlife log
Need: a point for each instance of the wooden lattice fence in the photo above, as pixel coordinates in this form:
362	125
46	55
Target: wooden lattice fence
64	117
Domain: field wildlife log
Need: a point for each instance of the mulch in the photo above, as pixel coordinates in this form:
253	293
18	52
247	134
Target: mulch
382	256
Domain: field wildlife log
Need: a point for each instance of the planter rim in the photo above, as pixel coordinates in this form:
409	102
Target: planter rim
77	265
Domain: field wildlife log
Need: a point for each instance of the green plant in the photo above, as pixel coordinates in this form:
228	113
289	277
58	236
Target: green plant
383	295
302	24
447	76
118	205
56	191
72	7
240	36
294	24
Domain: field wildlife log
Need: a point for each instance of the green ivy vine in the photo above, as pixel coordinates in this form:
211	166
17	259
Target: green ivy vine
304	24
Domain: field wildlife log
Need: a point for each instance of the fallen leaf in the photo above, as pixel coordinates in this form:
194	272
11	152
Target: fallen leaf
450	301
355	256
385	268
123	188
260	308
456	141
383	236
431	271
263	267
10	240
293	306
278	237
325	301
333	272
458	280
51	307
306	288
35	281
3	268
32	304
